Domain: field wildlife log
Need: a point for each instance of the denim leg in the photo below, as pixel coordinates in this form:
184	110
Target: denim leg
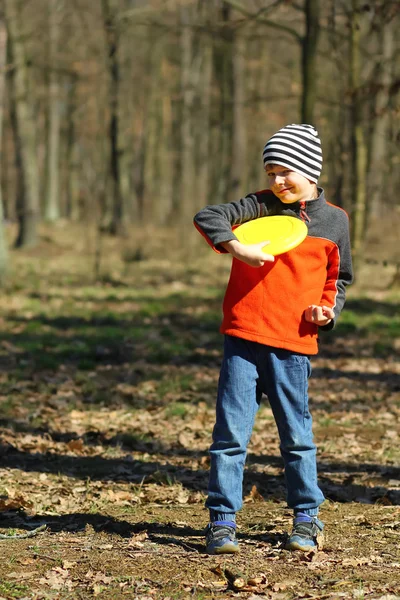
286	385
237	404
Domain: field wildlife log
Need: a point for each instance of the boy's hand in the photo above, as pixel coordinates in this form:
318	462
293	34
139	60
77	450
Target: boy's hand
252	254
319	315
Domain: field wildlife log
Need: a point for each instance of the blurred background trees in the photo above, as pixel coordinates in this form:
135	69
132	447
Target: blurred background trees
136	113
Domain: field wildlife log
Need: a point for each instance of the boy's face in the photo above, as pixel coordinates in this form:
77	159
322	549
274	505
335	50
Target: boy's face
288	185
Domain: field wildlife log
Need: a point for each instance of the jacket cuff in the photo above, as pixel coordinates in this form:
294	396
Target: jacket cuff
329	326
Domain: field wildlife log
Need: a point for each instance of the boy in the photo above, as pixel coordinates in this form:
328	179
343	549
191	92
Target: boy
273	308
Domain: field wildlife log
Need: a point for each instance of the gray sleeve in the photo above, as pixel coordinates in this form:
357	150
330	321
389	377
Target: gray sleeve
215	221
345	276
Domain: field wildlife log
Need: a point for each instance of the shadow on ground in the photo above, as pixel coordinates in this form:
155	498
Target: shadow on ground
271	487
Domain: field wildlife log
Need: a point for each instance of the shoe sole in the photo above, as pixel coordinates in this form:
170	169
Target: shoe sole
227	549
307	548
297	546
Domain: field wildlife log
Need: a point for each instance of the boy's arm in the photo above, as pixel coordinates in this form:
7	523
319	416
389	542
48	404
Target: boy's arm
251	254
215	222
339	276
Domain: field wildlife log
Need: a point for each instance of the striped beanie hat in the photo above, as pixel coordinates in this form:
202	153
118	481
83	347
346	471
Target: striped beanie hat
297	147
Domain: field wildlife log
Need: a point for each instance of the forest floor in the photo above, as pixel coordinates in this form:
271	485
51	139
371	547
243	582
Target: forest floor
107	393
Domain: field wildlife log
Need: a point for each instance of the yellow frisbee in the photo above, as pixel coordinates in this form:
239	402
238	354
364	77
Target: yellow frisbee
283	232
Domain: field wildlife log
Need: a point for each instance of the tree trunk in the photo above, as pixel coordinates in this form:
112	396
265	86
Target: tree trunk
116	223
224	74
3	240
165	163
128	138
379	164
151	203
203	134
187	170
359	154
52	197
25	133
71	184
239	136
19	181
309	59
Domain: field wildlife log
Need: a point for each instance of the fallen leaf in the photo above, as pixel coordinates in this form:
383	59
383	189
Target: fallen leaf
355	562
97	589
254	495
101	577
137	540
76	446
67	564
182	497
22	575
279	587
14	503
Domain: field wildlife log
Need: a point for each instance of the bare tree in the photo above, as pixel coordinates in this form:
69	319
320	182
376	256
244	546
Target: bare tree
3	55
116	218
379	155
52	195
25	129
152	204
203	121
359	149
308	43
186	204
239	137
309	55
71	168
223	65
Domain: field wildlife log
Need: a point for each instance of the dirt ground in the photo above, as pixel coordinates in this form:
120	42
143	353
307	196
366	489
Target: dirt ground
157	552
107	406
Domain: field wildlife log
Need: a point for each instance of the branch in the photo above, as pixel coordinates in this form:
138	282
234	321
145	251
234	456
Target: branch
135	12
257	17
140	11
22	536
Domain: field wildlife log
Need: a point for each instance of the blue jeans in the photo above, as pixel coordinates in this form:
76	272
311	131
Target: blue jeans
248	370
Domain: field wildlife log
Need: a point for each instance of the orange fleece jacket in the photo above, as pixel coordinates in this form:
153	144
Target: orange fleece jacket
267	304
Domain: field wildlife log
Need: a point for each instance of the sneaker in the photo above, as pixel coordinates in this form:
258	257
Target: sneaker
306	535
221	538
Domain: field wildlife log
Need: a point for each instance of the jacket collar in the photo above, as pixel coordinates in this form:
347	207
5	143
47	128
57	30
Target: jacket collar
311	206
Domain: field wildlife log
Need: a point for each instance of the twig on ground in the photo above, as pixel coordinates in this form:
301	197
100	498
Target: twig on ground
22	536
47	557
